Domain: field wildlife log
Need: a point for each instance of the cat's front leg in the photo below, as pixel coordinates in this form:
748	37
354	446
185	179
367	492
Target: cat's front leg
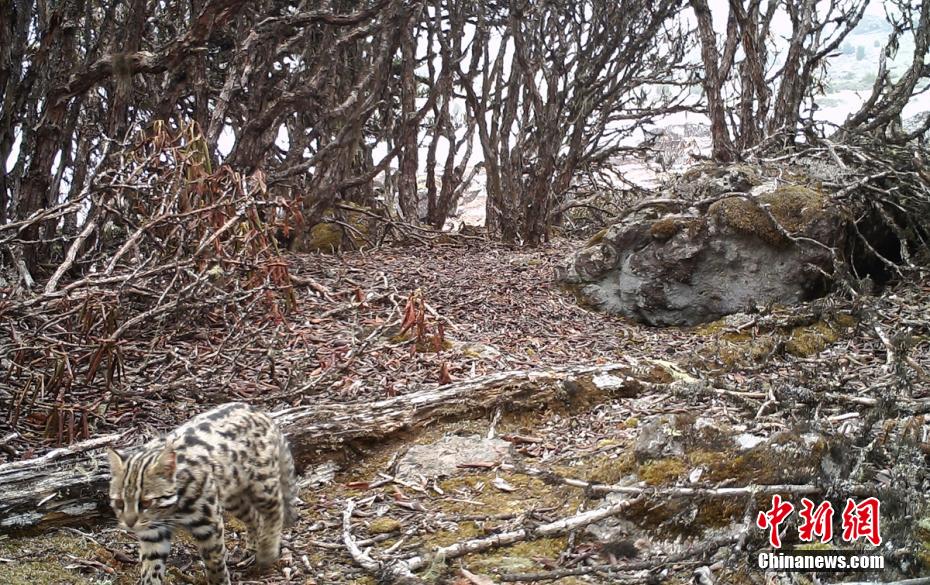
206	526
154	547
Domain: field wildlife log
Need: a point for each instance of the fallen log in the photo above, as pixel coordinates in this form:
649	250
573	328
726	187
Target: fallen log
68	486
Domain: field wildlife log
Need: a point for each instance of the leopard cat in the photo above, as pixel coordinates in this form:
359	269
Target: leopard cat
232	459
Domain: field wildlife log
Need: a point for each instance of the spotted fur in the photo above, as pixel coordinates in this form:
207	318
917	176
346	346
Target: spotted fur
232	459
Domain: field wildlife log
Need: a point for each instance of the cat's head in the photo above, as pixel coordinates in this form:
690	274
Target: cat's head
143	486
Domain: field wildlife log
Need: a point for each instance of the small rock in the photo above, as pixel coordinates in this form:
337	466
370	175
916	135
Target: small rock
501	484
659	438
444	457
695	475
748	440
479	350
608	382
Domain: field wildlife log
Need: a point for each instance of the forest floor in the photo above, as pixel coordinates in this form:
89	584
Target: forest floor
501	309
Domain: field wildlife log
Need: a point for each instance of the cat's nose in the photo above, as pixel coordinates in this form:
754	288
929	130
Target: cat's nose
130	521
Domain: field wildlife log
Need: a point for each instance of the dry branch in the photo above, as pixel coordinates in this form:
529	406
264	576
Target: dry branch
694	553
167	244
392	571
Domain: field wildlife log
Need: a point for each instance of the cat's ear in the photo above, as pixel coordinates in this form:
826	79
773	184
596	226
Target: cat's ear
116	460
168	462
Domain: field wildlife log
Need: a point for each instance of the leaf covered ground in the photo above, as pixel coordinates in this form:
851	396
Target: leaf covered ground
368	325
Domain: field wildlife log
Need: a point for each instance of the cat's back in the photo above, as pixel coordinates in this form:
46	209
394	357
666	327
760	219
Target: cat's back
232	440
231	421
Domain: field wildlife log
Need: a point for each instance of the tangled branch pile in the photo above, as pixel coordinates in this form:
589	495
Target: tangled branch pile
170	246
891	190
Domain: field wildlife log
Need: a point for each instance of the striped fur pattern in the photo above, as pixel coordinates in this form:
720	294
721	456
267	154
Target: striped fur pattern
232	459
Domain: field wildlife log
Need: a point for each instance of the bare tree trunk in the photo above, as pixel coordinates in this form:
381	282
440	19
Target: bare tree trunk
37	182
882	110
407	181
816	32
713	83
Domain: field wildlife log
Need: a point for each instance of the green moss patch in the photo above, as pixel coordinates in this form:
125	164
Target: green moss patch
610	470
807	340
745	216
596	238
793	207
784	459
384	526
324	237
735	351
736	348
42	560
668	227
662	471
327	236
521	556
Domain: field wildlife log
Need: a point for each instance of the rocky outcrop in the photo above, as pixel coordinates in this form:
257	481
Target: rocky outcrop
681	451
765	244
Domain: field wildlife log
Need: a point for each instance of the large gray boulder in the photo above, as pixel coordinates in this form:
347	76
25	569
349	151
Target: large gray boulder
726	257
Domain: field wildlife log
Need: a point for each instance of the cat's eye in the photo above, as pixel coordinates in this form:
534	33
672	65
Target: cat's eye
117	505
145	503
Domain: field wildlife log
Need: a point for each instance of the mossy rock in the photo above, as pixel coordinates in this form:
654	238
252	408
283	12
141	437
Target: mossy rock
734	347
719	512
793	207
741	252
786	458
745	216
668	227
734	351
324	237
589	390
327	236
665	228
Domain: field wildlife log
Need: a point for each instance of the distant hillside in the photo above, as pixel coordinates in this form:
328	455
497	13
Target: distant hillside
856	65
872	24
